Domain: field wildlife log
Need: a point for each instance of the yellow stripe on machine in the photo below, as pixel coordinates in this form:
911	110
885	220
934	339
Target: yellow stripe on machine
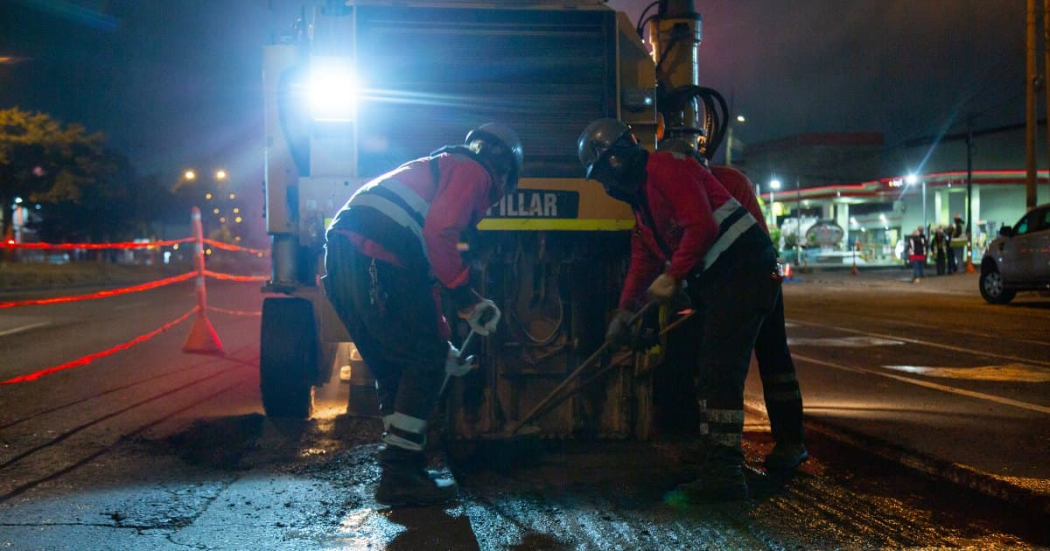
596	211
554	224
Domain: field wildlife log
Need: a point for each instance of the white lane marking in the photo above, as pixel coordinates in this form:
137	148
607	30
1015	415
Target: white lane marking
842	342
130	306
940	328
1013	372
19	329
928	343
927	384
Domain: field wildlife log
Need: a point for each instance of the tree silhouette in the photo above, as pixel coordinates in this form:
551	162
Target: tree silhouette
87	192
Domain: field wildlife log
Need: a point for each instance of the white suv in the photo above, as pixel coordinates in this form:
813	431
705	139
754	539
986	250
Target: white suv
1019	259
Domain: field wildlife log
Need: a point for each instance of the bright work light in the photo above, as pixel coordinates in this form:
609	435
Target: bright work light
333	90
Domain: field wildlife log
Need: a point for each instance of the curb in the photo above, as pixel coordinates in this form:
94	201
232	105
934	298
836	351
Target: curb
955	473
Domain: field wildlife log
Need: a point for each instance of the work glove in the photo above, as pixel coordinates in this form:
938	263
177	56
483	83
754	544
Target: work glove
619	331
482	317
664	288
646	334
456	366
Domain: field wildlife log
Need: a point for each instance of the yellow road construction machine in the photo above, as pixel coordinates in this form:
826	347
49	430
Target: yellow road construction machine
359	87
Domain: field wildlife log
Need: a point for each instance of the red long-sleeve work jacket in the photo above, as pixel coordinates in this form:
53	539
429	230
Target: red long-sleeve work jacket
414	215
681	196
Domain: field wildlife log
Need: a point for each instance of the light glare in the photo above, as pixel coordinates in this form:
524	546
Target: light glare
333	92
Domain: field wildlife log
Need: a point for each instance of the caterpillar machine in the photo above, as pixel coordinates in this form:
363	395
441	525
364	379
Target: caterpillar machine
360	87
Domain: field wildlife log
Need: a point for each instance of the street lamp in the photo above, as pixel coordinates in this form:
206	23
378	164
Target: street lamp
773	184
730	141
220	174
189	175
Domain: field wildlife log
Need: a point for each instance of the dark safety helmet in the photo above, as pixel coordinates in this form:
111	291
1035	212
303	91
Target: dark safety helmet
501	146
596	141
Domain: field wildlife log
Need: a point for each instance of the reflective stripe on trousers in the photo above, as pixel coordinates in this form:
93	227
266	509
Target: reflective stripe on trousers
404	431
723	427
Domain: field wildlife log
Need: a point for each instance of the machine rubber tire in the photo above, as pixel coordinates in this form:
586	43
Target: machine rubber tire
288	349
992	289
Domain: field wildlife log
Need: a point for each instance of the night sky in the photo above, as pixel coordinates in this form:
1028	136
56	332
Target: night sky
176	83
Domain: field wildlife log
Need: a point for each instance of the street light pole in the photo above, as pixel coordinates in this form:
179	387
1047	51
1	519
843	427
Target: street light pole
924	226
798	226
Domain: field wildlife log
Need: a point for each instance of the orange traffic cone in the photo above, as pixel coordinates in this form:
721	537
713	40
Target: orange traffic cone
202	338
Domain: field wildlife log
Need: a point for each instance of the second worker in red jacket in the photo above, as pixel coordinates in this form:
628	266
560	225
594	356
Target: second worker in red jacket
780	386
691	233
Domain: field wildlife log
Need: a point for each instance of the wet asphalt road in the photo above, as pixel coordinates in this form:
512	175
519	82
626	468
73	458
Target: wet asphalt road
928	367
150	448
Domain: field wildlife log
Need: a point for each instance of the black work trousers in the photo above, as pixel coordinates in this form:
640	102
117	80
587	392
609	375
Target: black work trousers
392	316
734	302
780	386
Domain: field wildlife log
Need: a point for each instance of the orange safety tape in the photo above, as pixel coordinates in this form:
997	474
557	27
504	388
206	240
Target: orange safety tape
101	294
92	357
229	247
234	312
93	246
230	277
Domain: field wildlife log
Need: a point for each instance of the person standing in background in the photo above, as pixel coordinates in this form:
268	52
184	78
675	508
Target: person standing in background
917	254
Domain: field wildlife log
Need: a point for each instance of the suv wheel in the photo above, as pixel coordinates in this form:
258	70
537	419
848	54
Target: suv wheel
992	288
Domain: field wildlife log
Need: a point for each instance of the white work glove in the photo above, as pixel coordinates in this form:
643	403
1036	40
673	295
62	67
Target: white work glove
664	288
454	365
482	317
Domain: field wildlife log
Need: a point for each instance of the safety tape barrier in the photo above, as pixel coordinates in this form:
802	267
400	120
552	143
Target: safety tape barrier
202	337
231	277
234	312
229	247
85	360
101	294
9	244
132	289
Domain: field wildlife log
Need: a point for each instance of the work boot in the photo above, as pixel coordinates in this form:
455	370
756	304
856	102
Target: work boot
786	457
405	480
720	482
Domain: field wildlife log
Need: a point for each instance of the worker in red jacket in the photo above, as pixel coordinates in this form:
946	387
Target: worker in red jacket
390	251
780	386
691	233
